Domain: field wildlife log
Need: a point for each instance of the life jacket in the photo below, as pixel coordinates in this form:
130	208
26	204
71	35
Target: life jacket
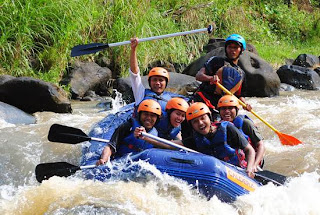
231	78
218	146
132	144
161	99
165	129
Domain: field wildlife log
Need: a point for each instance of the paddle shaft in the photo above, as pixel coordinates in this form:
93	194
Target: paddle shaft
95	47
244	105
209	30
99	139
170	143
88	166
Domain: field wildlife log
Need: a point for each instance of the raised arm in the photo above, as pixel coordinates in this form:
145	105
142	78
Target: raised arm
137	87
133	56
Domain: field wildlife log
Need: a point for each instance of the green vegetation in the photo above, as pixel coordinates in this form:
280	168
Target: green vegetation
36	36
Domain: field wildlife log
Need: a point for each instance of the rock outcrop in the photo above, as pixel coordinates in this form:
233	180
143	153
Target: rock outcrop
32	95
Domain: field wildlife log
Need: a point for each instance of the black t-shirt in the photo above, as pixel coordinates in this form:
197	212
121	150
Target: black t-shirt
234	138
212	66
120	133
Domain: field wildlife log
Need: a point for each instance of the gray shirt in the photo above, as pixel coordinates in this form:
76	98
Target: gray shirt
252	131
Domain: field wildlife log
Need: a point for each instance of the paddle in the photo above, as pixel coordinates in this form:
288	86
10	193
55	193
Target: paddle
95	47
285	139
45	171
66	134
264	176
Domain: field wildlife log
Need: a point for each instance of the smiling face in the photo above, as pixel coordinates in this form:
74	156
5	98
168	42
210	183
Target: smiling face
201	124
177	117
233	51
158	84
148	119
228	113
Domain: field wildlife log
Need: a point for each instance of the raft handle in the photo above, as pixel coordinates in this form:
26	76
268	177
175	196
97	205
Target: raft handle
179	160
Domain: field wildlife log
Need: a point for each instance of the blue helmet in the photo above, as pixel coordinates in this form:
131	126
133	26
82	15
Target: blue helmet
238	39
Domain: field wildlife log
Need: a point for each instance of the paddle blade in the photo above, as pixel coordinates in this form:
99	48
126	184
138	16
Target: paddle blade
65	134
87	49
45	171
266	176
286	139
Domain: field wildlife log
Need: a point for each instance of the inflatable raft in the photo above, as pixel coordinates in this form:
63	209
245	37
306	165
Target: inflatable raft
205	173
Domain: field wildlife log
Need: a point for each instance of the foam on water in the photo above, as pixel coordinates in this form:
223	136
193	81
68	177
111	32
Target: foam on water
5	124
300	195
160	195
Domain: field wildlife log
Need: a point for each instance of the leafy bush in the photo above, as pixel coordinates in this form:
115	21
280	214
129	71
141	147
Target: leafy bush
37	36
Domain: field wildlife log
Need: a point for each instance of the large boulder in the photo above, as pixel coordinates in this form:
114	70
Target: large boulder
179	83
287	87
299	77
89	78
32	95
13	115
307	60
5	78
262	81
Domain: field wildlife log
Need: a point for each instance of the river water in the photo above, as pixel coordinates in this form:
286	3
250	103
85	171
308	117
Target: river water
22	147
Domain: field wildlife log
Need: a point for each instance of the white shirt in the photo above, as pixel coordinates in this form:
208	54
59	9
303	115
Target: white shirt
137	87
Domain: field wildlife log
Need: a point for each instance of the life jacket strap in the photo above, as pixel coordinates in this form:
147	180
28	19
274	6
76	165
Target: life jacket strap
207	101
237	88
241	157
131	146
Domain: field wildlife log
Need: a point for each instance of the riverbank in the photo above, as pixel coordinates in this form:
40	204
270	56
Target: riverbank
40	35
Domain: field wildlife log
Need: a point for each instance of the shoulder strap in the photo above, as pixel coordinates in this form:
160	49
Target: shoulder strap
207	101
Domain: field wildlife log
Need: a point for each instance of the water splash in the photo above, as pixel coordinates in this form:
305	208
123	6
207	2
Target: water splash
118	101
300	195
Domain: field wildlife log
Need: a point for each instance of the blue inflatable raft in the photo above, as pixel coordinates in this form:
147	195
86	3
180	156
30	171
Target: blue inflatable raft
206	173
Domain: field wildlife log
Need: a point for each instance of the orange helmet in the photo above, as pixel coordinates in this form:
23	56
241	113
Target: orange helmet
178	104
150	105
228	101
197	109
159	71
